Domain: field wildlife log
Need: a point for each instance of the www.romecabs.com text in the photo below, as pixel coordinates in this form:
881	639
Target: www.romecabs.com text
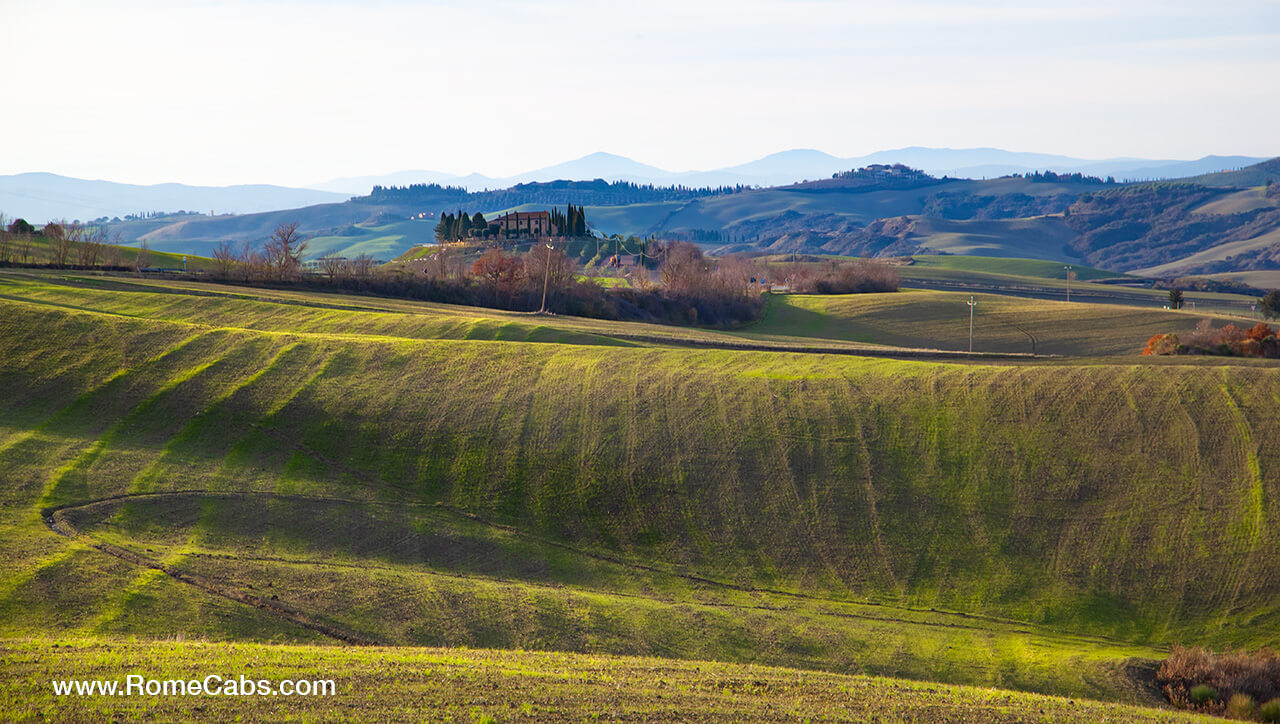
211	685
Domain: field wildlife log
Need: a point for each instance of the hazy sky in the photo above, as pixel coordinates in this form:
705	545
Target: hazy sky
296	92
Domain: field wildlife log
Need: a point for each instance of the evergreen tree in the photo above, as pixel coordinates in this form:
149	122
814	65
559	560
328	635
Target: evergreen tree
462	225
444	229
1270	304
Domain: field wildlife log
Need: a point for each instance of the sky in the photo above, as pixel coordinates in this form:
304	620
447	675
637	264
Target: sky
294	93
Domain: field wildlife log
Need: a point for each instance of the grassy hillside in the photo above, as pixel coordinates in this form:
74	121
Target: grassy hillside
1039	237
1045	280
383	241
1262	279
1008	266
1220	253
941	320
470	685
1256	175
815	218
38	250
1240	202
234	465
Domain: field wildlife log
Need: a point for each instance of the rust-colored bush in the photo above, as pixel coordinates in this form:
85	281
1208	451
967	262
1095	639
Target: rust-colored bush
1230	676
1229	340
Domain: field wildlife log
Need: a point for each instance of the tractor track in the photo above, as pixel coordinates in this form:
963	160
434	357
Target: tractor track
56	519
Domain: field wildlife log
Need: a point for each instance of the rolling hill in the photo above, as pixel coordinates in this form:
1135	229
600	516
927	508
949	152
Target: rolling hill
800	164
1167	228
187	461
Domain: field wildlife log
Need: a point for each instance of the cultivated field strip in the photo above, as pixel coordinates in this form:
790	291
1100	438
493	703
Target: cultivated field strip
940	320
401	684
335	316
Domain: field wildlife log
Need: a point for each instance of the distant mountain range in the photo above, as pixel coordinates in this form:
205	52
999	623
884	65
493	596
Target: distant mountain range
40	197
807	164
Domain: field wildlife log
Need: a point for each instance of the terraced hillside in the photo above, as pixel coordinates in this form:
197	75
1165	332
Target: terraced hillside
281	467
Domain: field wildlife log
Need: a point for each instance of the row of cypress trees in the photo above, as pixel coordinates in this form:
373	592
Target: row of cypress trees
572	222
455	227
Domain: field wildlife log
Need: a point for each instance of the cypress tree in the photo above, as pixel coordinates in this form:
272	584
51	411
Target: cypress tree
464	224
442	227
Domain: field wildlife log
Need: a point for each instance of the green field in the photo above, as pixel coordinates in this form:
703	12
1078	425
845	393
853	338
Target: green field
41	252
954	266
182	461
1039	279
406	684
1037	237
1001	323
381	241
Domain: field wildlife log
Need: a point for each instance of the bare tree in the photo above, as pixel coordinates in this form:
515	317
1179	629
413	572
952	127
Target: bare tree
5	241
61	238
550	266
142	259
362	266
333	266
224	256
732	276
92	241
114	255
284	251
684	268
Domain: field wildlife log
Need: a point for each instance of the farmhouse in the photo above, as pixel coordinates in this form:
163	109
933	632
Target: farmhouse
531	223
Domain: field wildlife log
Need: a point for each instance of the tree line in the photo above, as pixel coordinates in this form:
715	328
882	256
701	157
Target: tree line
67	244
590	193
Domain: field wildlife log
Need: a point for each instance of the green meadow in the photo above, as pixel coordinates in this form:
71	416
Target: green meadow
404	494
1001	323
470	685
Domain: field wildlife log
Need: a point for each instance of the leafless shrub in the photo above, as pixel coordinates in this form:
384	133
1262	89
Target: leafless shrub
846	277
224	256
1256	676
93	241
362	266
551	266
61	236
142	259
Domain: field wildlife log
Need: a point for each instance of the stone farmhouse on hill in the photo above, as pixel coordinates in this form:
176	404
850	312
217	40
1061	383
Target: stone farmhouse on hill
525	223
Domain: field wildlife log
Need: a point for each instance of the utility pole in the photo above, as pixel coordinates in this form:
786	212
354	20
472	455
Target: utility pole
971	304
1068	268
545	277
